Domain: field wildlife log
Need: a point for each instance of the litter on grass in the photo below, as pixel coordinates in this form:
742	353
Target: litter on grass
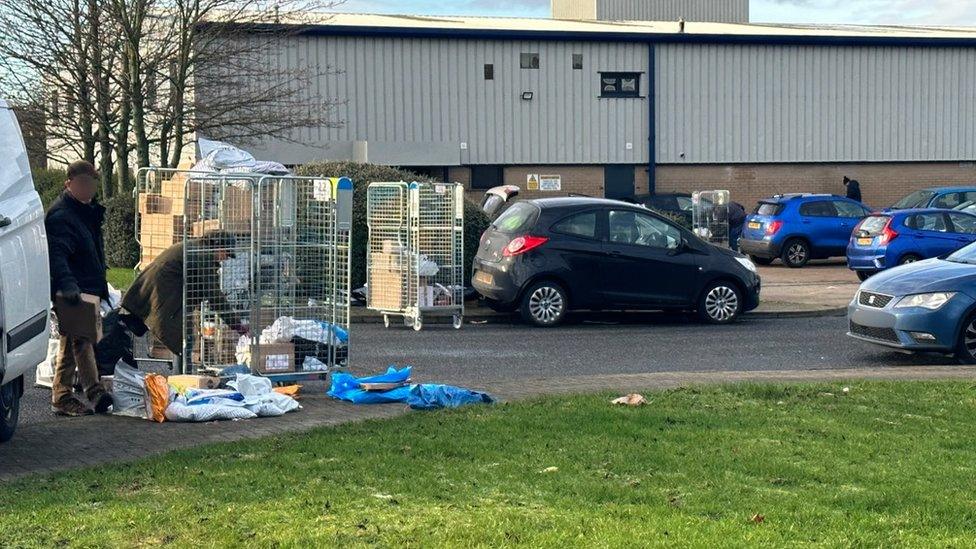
420	396
634	399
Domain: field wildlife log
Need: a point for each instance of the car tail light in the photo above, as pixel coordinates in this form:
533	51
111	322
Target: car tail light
521	244
774	227
887	234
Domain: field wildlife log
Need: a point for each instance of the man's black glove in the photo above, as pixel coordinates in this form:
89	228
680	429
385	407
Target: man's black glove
72	296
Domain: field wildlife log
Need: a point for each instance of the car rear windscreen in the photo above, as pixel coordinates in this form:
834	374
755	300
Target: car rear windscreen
519	217
873	225
768	208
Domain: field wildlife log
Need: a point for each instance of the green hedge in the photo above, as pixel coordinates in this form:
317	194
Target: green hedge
475	221
121	248
49	184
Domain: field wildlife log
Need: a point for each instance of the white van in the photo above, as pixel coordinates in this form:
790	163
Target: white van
24	277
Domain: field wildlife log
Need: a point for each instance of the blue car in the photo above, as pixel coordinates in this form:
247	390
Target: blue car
943	198
799	227
885	240
927	306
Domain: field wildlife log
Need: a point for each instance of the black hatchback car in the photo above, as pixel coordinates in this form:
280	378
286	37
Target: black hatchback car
549	256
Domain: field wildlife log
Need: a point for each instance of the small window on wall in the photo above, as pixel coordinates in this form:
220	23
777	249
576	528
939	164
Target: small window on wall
577	61
529	60
489	71
620	84
486	177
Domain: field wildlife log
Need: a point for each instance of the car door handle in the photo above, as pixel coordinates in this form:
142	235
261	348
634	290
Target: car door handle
5	221
614	253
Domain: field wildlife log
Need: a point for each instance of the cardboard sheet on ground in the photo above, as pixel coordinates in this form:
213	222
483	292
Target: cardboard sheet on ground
422	396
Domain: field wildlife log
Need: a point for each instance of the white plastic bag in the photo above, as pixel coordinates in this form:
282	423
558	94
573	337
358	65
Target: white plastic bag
250	385
129	391
178	410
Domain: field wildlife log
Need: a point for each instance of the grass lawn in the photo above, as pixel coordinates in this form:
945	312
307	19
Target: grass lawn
121	279
887	464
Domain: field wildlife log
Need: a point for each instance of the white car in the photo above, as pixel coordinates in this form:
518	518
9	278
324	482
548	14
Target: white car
24	277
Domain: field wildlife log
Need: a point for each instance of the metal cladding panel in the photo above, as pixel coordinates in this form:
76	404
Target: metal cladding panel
742	104
430	90
719	11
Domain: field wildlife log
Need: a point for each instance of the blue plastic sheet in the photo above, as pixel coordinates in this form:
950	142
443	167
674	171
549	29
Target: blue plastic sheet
426	396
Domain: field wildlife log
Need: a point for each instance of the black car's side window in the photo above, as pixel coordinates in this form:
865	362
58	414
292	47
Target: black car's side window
583	225
642	230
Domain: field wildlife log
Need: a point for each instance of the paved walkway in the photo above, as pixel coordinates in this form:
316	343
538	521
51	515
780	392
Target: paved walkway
62	444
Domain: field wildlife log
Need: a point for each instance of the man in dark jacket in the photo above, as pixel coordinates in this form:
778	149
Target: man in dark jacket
155	299
77	256
853	188
737	218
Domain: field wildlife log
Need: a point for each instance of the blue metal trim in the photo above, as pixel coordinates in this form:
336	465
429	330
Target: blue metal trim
344	183
651	118
656	38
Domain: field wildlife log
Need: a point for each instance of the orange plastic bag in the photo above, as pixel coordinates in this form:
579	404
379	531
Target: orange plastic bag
157	391
290	390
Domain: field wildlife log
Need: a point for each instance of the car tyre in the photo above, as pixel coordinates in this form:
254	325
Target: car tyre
864	275
544	304
9	410
720	303
762	260
966	346
909	258
796	253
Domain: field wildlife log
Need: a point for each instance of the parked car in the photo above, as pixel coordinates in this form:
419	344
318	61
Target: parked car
799	227
24	279
885	240
549	256
944	198
927	306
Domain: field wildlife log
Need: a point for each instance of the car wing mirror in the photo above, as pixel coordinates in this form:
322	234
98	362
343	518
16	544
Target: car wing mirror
681	248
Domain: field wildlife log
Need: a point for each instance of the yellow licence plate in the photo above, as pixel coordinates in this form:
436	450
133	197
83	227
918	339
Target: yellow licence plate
864	241
754	224
484	278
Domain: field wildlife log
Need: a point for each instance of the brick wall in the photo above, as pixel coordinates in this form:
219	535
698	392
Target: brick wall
881	184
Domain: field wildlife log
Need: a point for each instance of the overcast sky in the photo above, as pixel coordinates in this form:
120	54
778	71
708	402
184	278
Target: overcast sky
905	12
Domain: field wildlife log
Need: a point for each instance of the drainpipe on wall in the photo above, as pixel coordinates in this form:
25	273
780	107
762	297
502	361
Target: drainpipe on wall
651	115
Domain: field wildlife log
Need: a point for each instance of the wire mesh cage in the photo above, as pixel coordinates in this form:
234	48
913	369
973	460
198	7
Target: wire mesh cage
262	256
710	216
415	262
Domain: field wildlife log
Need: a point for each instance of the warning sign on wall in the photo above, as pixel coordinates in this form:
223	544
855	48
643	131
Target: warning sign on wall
550	183
532	182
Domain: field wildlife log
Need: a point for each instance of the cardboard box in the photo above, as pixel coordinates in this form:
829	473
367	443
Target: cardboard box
183	382
155	204
387	262
200	228
81	320
386	290
273	358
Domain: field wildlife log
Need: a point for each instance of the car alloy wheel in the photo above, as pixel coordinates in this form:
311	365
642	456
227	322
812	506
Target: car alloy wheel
969	341
721	304
797	253
546	305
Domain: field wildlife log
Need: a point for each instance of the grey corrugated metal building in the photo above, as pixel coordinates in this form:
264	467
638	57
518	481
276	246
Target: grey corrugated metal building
616	108
720	11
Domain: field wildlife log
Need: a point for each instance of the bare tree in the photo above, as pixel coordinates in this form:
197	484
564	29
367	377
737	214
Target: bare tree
138	78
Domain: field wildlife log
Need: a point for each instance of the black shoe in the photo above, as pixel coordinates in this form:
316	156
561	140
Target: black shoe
101	402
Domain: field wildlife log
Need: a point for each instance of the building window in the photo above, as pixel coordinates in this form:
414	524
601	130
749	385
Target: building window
486	177
620	84
489	71
529	60
577	61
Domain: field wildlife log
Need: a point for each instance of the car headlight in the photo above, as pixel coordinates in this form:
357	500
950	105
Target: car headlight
933	301
747	263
